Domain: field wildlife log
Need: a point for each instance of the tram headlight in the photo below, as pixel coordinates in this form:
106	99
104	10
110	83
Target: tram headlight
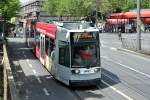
97	70
76	71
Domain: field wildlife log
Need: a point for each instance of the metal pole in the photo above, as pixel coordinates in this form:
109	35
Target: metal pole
96	16
138	26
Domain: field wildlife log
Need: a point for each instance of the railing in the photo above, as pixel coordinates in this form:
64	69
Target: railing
131	43
8	78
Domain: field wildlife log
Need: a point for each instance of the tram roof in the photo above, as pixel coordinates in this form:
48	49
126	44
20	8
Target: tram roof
47	29
50	29
73	25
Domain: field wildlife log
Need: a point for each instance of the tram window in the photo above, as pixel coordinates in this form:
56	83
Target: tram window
38	39
64	56
46	44
52	44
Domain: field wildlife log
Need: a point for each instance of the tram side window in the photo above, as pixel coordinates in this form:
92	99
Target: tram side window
51	45
46	44
64	56
38	39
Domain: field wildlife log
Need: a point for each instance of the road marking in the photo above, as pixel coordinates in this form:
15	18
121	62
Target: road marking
129	68
23	52
27	60
102	45
112	48
119	92
34	71
140	57
46	92
115	49
134	70
30	65
25	56
106	57
48	77
39	80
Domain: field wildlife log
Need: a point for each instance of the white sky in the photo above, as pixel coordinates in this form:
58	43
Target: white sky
23	1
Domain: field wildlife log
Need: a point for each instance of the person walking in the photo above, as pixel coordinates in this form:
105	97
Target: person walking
119	34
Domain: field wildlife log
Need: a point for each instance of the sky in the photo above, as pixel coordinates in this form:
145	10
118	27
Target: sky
23	1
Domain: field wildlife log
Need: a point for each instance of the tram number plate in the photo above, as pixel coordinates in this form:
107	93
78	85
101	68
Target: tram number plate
87	71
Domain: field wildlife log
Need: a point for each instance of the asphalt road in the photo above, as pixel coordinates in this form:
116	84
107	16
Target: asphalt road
125	76
129	71
33	81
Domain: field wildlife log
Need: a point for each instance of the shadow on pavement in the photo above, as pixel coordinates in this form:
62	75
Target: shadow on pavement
30	88
16	47
110	78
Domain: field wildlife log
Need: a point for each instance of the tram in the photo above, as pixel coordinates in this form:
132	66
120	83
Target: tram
70	51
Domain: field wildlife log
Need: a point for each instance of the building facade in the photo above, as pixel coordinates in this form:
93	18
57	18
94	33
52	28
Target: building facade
32	9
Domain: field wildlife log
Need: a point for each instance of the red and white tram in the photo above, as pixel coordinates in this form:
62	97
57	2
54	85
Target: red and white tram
70	51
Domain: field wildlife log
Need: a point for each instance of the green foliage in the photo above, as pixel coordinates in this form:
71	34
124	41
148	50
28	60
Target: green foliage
105	7
87	7
69	7
128	5
9	8
145	3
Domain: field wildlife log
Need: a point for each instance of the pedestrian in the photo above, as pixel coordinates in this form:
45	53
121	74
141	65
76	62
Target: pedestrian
119	34
14	34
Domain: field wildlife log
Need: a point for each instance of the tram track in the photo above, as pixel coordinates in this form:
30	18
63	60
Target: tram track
106	84
82	93
74	92
126	83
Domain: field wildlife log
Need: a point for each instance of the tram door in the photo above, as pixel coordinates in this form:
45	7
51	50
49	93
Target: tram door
42	48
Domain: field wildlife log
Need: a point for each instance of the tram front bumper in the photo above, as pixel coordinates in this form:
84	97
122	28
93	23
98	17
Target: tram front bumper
85	82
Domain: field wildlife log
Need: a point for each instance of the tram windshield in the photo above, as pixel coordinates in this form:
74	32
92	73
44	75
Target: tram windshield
85	50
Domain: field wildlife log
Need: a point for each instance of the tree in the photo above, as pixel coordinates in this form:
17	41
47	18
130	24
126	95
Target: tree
145	3
9	8
50	7
68	7
88	7
128	5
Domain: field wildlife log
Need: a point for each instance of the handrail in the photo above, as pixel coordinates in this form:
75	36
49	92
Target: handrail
8	78
5	82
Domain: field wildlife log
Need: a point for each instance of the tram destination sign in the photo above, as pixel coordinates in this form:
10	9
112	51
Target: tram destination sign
81	37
